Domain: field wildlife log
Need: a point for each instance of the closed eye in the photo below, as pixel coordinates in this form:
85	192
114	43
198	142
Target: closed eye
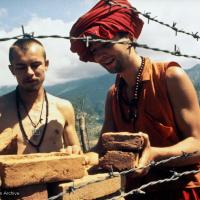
20	66
100	46
34	65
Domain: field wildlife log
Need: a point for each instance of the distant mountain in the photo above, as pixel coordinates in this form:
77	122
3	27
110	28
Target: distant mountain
194	74
93	90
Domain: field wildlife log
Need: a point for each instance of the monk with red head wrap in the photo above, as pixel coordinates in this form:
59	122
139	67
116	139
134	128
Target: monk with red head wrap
105	21
153	99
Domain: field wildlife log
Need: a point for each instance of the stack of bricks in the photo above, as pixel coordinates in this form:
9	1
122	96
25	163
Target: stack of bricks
26	176
122	150
43	175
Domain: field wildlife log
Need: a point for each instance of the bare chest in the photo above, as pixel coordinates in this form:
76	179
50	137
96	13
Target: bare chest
47	136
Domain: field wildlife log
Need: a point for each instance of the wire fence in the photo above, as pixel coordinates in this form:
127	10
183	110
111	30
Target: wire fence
89	39
176	52
141	190
176	176
148	16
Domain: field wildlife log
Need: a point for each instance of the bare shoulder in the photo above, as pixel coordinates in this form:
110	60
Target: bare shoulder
63	105
180	88
175	73
178	79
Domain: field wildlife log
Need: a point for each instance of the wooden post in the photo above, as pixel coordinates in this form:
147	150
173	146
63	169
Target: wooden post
83	132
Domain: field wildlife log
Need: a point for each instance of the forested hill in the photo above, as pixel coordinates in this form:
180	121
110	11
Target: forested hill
92	91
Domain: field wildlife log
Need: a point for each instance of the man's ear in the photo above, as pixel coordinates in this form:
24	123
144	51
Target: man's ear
46	64
11	69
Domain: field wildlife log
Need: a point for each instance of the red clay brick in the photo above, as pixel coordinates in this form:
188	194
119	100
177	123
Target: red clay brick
118	160
21	170
122	141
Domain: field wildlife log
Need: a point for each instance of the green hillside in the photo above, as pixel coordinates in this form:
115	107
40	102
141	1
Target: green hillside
88	95
92	91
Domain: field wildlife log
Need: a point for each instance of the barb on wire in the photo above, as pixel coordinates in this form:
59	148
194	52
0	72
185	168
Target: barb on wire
117	174
147	15
73	188
26	35
89	39
23	32
158	163
174	53
195	35
177	50
141	189
144	46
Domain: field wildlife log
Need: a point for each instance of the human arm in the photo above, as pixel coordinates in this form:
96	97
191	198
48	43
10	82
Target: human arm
185	105
70	136
186	110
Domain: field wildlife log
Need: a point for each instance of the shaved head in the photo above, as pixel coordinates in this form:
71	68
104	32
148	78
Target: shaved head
24	44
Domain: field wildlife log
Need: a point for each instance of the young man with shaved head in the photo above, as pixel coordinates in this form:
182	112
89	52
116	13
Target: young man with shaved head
43	123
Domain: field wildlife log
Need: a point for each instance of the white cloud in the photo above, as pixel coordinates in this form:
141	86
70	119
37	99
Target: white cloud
64	65
3	12
185	14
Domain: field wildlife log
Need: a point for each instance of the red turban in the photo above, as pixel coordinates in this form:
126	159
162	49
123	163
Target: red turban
104	21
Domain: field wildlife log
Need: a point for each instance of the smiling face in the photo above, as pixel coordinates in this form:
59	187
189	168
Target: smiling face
113	57
28	65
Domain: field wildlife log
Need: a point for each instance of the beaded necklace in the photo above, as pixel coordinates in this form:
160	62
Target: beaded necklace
18	101
133	104
35	131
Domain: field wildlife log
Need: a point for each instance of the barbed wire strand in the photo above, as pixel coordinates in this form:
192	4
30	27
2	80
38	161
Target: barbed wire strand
148	16
73	188
117	174
176	52
88	40
139	190
161	162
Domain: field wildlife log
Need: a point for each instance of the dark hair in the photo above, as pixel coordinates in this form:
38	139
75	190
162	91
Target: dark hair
24	44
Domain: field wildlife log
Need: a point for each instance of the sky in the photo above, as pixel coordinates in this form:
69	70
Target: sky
49	17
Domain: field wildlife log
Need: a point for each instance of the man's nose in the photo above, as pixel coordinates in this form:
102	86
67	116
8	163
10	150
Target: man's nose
30	71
